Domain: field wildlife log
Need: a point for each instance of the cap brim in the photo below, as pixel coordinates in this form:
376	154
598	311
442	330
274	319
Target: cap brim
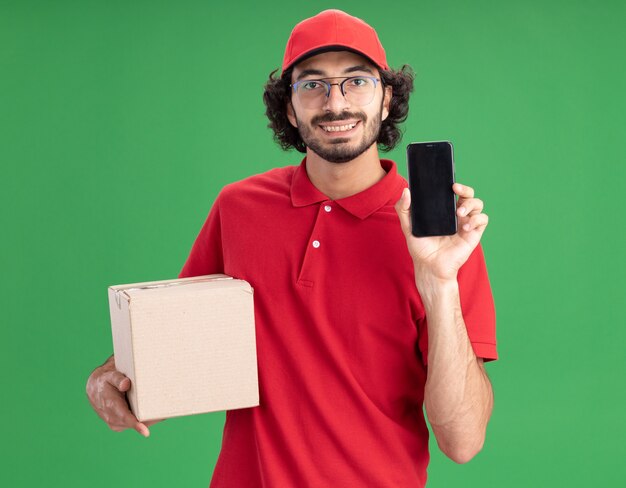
325	49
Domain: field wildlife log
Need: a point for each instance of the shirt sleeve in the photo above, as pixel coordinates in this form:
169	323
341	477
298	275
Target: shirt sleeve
477	307
479	313
206	256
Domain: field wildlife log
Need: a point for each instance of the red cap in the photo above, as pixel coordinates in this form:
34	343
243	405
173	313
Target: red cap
333	30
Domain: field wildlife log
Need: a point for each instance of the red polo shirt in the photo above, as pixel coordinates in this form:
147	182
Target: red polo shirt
341	333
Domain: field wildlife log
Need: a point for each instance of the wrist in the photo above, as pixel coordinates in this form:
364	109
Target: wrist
435	289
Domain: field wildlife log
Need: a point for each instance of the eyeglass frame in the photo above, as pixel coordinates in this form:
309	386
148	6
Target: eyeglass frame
340	85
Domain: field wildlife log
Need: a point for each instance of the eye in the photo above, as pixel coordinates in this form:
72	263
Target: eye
359	82
310	85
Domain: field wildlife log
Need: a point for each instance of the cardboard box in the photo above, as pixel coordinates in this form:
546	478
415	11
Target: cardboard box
187	345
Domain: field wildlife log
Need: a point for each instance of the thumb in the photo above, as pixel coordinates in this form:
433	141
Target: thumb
403	209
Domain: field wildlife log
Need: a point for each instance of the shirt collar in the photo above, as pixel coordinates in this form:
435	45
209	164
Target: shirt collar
362	204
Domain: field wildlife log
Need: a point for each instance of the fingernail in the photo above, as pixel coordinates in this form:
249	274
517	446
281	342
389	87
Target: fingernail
466	227
463	210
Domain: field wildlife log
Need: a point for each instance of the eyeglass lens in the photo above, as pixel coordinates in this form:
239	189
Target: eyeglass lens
357	91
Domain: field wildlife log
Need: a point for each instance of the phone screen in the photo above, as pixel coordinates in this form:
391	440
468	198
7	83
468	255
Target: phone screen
431	175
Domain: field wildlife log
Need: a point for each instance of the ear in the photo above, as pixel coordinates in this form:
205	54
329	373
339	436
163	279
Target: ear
387	101
291	115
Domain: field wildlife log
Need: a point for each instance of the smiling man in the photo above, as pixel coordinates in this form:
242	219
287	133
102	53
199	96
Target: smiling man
360	325
345	134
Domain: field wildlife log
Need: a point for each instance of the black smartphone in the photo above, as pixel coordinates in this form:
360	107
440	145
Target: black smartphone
431	175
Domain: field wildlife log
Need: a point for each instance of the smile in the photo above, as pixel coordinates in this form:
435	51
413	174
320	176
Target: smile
339	128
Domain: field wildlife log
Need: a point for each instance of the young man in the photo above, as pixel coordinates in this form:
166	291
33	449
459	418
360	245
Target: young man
359	324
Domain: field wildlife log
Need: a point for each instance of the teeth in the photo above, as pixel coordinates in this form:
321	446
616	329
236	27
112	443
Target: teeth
337	128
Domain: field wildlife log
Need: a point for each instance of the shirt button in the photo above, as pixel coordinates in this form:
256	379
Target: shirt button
316	244
328	208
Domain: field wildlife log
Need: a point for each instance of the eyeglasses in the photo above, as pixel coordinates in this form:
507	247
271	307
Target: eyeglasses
357	90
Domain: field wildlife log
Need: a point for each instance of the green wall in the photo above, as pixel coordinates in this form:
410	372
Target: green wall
121	120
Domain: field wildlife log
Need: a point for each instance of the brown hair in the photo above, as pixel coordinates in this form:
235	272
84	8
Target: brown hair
277	95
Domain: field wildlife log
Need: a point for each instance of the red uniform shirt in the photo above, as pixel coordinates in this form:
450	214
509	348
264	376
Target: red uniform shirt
341	333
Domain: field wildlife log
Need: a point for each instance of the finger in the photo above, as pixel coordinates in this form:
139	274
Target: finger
469	206
463	191
403	210
475	222
112	406
116	411
118	380
122	418
142	429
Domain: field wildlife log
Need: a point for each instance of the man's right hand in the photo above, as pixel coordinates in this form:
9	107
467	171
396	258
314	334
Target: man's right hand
106	390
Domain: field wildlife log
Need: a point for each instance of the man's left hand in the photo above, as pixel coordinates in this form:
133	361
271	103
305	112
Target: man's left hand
442	256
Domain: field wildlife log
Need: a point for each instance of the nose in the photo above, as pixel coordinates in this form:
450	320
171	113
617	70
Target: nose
335	101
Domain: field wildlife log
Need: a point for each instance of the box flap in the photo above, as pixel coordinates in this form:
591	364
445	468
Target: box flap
125	291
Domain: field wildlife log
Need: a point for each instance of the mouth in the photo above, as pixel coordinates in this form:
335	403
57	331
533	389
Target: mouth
340	128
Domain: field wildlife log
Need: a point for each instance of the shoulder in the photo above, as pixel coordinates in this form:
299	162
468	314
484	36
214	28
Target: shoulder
275	182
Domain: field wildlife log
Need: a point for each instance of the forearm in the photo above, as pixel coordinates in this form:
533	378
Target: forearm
458	395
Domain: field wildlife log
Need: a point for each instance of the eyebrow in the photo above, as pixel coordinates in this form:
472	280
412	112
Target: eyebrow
360	67
317	72
309	72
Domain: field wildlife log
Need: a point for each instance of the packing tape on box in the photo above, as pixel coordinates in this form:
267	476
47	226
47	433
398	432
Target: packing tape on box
164	285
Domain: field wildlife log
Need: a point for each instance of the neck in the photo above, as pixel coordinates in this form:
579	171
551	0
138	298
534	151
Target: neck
340	180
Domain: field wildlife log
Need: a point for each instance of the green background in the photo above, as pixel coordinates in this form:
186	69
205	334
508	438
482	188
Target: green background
121	120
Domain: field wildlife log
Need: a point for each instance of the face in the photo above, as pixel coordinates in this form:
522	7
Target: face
338	131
